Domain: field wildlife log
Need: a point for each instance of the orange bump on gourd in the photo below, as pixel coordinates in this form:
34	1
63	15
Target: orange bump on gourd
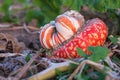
65	26
68	23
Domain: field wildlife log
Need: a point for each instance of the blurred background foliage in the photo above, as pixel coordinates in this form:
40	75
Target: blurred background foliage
43	11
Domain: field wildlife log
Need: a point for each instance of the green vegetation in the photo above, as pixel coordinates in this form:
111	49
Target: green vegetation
46	10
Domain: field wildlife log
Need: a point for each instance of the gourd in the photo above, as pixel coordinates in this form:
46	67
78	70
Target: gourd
69	31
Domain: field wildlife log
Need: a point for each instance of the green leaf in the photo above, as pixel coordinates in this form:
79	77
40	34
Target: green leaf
113	39
81	52
99	53
27	58
97	5
58	72
35	14
78	77
5	5
61	74
49	8
73	66
21	1
75	5
116	59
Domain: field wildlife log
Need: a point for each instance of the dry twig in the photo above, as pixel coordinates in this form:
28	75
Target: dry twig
81	66
26	67
9	54
26	28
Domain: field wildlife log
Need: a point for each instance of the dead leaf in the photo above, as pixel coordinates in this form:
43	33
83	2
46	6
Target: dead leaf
30	40
8	43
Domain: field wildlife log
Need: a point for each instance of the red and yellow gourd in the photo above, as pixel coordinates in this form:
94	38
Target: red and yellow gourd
70	28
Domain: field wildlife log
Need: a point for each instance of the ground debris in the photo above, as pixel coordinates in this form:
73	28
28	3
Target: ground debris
8	43
10	64
27	34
